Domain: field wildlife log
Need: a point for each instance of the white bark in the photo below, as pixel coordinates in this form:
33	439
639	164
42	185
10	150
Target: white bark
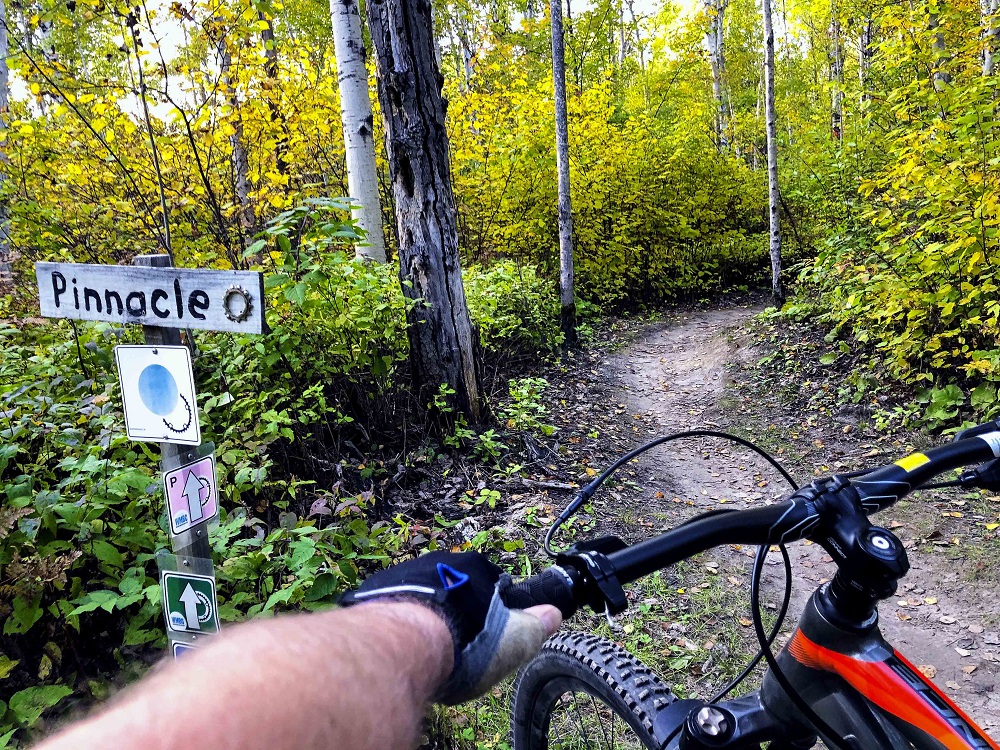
623	40
939	77
714	42
772	155
566	298
836	75
642	52
274	92
992	31
865	59
241	163
356	117
465	40
5	253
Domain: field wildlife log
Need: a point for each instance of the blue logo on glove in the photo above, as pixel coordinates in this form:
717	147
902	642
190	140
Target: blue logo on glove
451	578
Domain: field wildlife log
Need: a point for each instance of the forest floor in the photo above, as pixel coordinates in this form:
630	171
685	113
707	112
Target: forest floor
723	369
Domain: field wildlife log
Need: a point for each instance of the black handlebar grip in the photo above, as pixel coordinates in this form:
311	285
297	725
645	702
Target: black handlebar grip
551	586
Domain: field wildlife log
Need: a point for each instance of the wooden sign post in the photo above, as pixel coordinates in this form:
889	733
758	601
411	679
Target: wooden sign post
165	300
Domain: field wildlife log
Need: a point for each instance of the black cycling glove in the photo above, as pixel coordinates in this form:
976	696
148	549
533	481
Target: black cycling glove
465	588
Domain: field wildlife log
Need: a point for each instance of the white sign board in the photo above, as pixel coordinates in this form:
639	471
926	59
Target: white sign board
158	393
192	498
166	297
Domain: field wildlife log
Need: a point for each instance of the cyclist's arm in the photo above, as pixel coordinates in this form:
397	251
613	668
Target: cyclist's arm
358	678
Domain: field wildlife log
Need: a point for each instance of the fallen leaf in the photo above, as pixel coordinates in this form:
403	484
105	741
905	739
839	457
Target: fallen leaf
963	651
745	622
969	669
947	620
953	685
976	629
930	600
927	670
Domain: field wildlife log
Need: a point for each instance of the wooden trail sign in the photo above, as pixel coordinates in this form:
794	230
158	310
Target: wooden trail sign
165	297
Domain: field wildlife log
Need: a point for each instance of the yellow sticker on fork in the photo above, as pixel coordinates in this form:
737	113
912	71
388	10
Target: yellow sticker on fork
912	461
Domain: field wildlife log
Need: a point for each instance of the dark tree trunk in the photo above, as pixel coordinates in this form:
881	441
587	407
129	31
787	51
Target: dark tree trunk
409	89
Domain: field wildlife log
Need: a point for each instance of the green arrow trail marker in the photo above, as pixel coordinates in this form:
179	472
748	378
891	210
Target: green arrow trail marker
189	603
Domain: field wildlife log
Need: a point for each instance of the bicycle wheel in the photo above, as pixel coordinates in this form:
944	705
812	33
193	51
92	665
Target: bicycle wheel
583	691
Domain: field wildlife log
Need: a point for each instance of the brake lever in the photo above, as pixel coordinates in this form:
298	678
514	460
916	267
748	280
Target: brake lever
601	587
984	477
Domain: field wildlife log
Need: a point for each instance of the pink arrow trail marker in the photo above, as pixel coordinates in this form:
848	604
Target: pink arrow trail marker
191	494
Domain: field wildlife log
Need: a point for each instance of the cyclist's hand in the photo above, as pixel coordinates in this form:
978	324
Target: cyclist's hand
491	640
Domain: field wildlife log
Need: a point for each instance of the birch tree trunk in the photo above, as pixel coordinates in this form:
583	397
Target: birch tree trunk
5	249
357	121
774	197
836	75
274	92
567	301
241	163
442	341
642	53
714	41
465	40
623	40
865	41
992	31
940	77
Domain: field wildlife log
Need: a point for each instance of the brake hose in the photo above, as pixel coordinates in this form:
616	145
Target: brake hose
832	735
590	488
588	491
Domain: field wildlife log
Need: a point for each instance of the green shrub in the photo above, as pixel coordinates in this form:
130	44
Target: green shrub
515	309
298	416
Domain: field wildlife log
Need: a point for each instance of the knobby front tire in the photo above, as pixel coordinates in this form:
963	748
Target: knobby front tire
582	691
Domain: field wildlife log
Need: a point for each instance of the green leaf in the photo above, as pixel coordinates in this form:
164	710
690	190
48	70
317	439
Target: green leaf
7	452
829	358
29	704
6	666
983	396
279	597
107	553
297	293
323	586
25	614
105	600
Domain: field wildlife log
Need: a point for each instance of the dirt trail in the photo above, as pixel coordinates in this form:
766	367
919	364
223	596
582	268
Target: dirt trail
677	375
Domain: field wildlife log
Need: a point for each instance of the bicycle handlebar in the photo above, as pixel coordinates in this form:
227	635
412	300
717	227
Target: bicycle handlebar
787	521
